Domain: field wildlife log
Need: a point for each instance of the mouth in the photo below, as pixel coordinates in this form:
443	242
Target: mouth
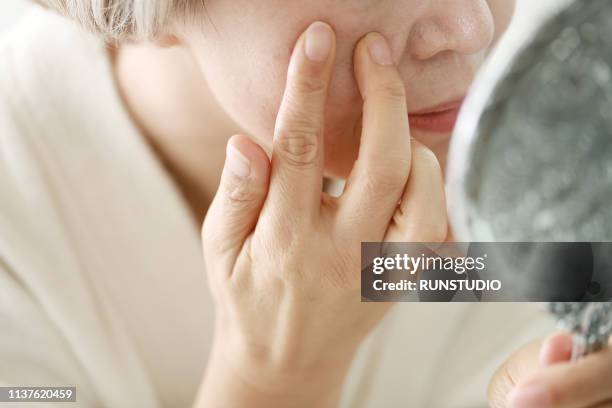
437	119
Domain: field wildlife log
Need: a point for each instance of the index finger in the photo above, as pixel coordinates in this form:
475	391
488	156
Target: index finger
297	158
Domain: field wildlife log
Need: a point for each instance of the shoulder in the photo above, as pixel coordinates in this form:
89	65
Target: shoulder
46	66
50	69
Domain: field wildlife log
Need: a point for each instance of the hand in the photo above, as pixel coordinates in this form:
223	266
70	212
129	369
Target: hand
283	259
541	375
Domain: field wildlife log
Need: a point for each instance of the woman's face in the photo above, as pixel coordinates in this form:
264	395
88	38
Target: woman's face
243	48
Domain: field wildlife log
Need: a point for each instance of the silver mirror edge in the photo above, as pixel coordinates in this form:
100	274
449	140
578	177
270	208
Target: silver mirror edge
464	139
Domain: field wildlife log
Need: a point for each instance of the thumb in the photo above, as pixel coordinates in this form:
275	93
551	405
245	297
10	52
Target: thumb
524	363
235	209
556	349
520	365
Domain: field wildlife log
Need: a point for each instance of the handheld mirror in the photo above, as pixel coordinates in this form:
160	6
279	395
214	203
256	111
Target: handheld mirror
531	158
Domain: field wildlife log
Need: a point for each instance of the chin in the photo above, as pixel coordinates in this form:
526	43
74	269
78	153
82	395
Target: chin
341	153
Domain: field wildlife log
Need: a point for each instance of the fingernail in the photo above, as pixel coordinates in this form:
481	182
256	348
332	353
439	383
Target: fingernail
236	163
379	50
532	396
318	42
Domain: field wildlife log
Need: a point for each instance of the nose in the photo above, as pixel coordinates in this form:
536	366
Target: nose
459	26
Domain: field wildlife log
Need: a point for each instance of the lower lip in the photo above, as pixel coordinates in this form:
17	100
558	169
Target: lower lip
436	122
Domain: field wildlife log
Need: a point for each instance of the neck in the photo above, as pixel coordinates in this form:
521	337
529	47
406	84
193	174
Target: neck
169	100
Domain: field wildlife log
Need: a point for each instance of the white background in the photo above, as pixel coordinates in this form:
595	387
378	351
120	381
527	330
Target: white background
12	10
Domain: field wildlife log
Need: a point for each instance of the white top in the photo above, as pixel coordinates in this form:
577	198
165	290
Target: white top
102	285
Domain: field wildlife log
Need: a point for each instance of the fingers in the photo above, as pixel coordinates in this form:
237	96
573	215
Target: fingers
584	383
237	204
556	349
520	365
421	215
297	158
520	383
379	176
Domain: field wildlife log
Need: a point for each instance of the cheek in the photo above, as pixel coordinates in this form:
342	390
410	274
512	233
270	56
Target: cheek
250	90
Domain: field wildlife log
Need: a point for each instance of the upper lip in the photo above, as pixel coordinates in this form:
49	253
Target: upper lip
443	107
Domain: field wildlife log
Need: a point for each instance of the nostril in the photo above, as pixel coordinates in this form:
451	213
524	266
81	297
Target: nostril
426	40
459	28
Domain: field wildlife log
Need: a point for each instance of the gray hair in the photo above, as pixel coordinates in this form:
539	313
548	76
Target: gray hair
123	19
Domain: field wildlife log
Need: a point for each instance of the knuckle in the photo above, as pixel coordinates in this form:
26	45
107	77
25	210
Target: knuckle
275	239
284	254
309	85
374	187
237	193
290	270
298	145
392	89
381	185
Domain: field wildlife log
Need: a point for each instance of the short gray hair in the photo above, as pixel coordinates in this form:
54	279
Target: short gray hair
123	19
